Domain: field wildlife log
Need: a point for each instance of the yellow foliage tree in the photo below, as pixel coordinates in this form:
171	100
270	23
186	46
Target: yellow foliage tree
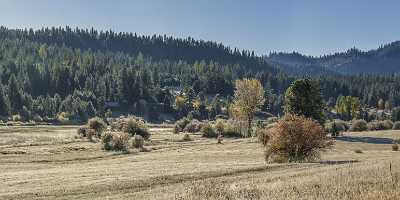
249	97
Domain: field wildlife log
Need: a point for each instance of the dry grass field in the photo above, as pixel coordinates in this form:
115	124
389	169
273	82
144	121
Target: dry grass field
50	162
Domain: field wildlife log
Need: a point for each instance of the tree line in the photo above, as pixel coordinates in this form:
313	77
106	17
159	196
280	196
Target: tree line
79	72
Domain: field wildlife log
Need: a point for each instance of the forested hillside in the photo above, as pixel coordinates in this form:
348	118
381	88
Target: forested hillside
384	60
76	74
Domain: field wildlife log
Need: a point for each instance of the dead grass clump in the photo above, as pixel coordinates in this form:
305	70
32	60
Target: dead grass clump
359	125
293	139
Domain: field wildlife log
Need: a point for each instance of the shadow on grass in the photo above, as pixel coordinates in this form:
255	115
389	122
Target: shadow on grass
337	162
371	140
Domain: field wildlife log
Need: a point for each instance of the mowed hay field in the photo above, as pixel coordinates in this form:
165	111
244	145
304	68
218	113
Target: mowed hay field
50	162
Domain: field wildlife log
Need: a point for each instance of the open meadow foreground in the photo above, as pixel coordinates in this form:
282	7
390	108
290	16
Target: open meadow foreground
50	162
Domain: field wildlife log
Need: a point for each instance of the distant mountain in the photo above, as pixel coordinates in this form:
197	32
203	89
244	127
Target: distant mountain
384	60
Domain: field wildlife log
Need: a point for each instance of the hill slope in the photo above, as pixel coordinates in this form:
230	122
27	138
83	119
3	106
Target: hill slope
384	60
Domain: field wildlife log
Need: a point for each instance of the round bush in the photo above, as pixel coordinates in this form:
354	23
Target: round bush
294	138
82	131
138	142
120	141
136	127
396	125
387	124
231	129
106	140
193	126
208	131
97	124
359	125
336	126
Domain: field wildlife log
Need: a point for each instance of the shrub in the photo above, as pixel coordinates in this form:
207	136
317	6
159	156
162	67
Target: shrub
97	124
90	133
16	118
380	125
219	126
208	131
271	120
135	126
120	141
63	117
82	131
231	129
37	118
294	138
106	140
358	151
395	147
177	129
181	124
336	126
387	124
396	125
138	142
193	126
359	125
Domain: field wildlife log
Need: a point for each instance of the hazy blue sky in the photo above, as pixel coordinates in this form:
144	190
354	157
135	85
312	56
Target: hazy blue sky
311	27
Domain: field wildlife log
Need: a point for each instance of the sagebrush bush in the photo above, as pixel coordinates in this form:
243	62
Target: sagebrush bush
219	126
380	125
193	126
336	126
294	138
115	141
387	124
181	124
106	140
208	131
131	125
97	124
359	125
136	127
396	125
231	129
16	118
138	142
82	131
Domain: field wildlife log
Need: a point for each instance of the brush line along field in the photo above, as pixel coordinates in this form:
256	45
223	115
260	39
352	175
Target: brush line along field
51	162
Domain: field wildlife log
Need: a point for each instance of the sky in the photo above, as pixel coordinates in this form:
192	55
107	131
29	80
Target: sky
311	27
